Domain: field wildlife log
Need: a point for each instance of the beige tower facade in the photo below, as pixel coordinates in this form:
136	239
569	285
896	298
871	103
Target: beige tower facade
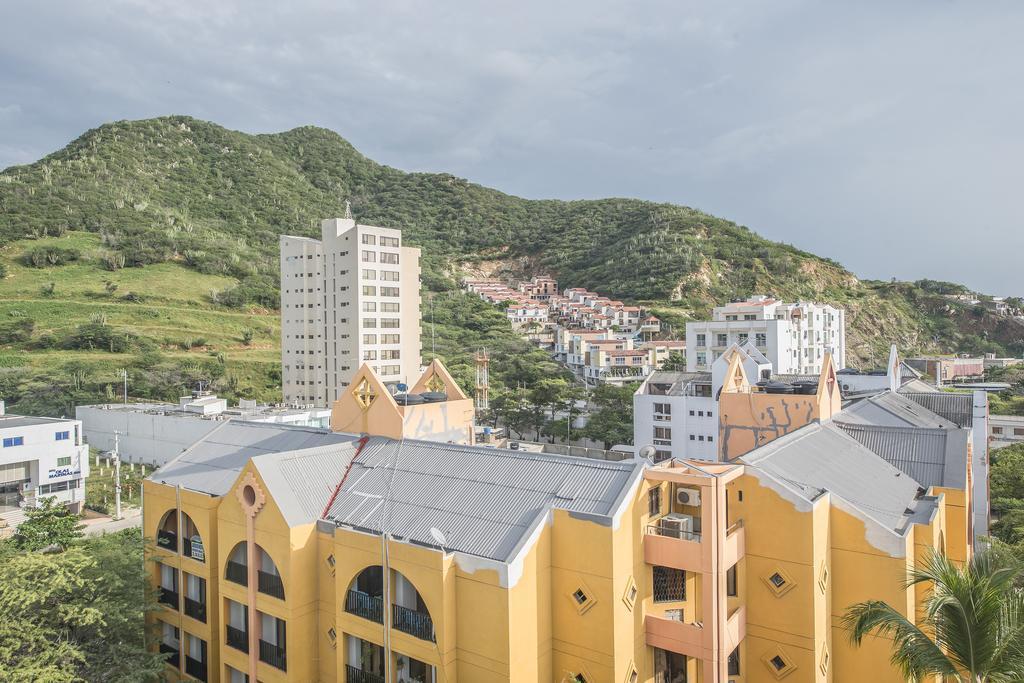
350	298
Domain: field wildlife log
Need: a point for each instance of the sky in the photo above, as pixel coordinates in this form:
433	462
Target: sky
888	136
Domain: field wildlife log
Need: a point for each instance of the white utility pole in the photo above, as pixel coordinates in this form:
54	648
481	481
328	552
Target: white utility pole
124	373
117	476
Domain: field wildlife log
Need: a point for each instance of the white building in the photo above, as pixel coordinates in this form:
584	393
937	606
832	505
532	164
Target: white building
155	433
40	457
351	297
1005	430
794	337
677	412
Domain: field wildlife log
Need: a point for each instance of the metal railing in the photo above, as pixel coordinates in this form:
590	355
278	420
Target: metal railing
672	531
736	526
167	540
414	623
270	584
172	651
365	605
354	675
237	572
237	638
168	597
195	668
194	609
274	655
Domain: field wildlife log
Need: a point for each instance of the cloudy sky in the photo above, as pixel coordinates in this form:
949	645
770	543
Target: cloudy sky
887	135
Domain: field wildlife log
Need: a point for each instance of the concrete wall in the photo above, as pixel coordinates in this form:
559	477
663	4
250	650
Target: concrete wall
147	438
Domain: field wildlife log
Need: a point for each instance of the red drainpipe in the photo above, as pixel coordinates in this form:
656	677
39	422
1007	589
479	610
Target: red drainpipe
337	490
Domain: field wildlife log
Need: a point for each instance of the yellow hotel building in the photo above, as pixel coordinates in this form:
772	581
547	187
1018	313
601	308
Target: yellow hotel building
294	554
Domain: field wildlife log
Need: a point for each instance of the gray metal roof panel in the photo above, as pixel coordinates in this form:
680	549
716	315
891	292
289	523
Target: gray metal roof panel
821	457
212	464
889	409
934	457
957	407
484	500
16	421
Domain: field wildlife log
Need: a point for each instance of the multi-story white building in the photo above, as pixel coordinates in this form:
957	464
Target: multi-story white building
351	297
793	336
40	457
677	412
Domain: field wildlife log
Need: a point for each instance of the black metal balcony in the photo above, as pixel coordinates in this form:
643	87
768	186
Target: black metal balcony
237	573
167	540
270	584
172	651
274	655
414	623
195	668
238	639
365	605
168	597
195	609
354	675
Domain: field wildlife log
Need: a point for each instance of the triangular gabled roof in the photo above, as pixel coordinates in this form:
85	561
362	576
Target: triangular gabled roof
438	370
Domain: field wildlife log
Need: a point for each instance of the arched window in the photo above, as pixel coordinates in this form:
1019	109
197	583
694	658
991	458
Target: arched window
268	577
409	612
236	569
191	541
167	531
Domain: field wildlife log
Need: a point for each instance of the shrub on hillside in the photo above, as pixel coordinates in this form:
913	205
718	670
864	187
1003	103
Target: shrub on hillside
43	257
100	336
18	331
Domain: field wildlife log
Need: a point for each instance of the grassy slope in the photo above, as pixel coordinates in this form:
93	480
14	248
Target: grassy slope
199	208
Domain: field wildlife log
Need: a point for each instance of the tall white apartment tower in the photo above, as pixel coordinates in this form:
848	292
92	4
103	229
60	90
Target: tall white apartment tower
351	297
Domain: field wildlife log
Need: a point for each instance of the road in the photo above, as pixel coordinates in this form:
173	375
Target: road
103	525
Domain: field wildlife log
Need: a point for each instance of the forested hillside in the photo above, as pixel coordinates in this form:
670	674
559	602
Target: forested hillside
199	207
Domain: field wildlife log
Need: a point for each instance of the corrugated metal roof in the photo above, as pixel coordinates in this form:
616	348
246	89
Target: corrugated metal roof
893	410
821	457
917	386
934	457
955	407
302	482
212	464
482	499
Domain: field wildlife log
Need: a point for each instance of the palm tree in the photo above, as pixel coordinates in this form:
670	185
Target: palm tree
973	624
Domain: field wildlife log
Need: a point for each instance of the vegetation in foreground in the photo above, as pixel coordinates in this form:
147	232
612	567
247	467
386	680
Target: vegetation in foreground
972	630
71	608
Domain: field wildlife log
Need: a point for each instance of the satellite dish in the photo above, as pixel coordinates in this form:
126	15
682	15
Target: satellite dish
438	537
647	452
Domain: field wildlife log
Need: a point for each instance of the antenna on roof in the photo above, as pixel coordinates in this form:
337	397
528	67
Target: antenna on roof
348	209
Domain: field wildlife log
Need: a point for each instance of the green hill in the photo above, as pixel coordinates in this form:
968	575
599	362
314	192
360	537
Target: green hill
183	217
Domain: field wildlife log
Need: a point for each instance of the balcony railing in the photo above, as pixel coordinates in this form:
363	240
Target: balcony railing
195	609
365	605
237	638
414	623
274	655
195	668
270	584
237	572
167	540
669	530
172	651
168	597
354	675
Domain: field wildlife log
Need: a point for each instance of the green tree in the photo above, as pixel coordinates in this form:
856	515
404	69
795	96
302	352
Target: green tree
1006	483
973	624
77	615
49	524
612	422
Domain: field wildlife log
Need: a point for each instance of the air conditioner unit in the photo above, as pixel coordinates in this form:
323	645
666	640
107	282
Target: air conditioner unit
676	526
687	496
